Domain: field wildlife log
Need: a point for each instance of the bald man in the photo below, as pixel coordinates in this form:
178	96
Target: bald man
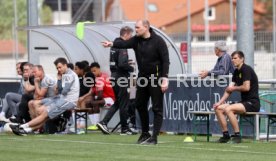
152	58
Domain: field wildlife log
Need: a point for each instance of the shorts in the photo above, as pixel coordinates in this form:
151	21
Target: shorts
108	101
58	106
251	105
49	100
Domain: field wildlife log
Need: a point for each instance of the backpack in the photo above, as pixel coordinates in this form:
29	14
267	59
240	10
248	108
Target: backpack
57	124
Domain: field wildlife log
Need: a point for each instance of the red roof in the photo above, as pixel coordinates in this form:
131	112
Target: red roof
7	47
214	28
170	11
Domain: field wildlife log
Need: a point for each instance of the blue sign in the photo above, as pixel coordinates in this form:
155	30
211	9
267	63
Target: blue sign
193	95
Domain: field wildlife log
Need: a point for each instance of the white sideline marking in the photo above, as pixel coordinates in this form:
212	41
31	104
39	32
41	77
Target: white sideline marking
191	144
240	146
150	146
194	144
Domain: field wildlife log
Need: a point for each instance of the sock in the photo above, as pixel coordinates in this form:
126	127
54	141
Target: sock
25	126
73	119
2	113
96	118
28	129
237	134
91	119
225	134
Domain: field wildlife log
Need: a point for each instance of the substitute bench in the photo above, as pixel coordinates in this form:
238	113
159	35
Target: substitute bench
247	117
83	113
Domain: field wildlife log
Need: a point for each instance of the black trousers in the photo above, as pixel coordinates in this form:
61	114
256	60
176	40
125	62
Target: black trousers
144	92
23	113
121	103
131	112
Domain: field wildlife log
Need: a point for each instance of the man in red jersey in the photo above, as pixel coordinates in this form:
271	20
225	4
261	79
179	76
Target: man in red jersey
100	95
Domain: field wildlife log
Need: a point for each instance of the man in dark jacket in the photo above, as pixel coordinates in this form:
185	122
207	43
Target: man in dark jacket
120	69
223	65
153	63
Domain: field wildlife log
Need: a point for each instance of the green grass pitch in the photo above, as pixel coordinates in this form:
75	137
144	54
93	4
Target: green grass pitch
98	147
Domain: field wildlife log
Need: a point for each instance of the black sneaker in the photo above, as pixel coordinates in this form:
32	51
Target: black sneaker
103	128
236	139
144	136
150	141
14	120
224	139
18	130
127	132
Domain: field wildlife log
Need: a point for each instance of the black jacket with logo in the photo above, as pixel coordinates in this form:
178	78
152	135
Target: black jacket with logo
119	65
151	54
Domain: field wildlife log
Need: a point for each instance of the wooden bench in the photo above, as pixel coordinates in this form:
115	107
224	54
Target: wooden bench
243	118
81	113
205	115
271	120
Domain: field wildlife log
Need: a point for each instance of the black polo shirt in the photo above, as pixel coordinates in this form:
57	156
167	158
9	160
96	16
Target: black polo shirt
246	73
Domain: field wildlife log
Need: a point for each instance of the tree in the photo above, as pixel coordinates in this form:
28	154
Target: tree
46	15
7	18
266	21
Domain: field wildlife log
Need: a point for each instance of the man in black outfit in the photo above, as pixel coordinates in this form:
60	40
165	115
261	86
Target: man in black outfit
120	69
28	86
152	58
245	81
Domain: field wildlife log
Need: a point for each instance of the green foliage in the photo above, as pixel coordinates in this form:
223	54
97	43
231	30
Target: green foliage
7	17
46	15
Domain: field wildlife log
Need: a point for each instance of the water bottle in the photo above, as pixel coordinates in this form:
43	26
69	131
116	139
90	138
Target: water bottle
262	109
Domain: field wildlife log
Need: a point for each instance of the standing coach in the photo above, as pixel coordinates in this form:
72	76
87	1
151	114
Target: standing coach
152	58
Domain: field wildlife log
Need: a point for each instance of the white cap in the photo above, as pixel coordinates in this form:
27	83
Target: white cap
221	45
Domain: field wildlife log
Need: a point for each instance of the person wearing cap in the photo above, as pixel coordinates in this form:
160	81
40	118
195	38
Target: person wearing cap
223	65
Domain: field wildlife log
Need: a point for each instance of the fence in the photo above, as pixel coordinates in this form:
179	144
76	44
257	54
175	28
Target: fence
203	56
263	39
268	104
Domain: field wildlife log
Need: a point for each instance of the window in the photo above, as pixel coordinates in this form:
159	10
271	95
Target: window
152	7
211	13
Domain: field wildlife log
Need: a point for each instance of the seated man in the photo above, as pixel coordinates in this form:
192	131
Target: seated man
13	99
245	81
28	86
81	69
223	65
44	87
52	107
100	95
